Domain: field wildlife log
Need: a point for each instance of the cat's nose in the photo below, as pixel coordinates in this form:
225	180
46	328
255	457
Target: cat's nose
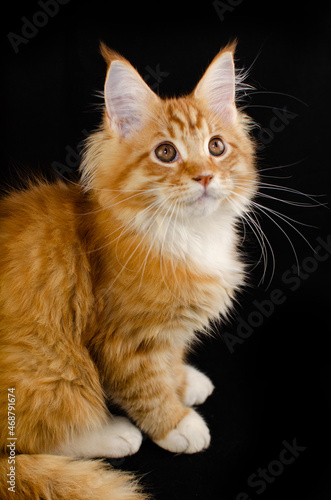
204	179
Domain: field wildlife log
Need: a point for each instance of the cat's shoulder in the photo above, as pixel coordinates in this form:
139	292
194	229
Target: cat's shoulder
41	200
46	215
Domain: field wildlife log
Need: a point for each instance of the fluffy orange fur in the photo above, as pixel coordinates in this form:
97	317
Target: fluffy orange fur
102	288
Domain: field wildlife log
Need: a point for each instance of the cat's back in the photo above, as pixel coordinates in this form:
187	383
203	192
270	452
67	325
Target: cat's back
42	253
37	206
43	216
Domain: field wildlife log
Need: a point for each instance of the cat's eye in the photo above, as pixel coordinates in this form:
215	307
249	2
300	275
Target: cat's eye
216	146
166	152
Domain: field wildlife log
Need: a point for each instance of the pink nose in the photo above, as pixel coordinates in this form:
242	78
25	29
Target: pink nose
204	179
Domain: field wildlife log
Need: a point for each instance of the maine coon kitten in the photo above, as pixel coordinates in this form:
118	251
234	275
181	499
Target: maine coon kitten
104	284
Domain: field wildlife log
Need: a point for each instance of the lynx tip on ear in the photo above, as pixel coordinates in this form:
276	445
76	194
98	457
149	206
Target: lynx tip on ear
108	54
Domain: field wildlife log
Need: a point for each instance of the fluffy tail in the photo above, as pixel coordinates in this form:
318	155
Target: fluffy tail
50	477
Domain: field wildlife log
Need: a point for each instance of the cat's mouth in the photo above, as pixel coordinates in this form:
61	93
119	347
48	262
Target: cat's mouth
207	196
204	203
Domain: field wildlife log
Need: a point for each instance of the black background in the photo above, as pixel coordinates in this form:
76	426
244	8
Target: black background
273	386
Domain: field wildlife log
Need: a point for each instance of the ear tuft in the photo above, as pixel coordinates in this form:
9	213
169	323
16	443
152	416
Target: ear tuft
217	86
108	54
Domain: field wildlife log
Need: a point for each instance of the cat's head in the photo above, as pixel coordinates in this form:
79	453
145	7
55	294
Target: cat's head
191	154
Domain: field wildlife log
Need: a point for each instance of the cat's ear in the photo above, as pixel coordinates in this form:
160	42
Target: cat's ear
217	86
127	97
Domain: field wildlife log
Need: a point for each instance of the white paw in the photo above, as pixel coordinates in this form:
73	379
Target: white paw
118	438
190	436
198	388
124	438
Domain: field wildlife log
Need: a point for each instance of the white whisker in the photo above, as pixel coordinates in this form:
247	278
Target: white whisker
152	244
278	93
153	218
171	259
284	218
126	227
124	266
287	165
261	239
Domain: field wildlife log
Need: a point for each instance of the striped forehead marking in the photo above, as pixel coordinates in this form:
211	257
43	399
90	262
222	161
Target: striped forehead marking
184	117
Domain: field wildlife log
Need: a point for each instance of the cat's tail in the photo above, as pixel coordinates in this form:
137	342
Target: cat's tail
51	477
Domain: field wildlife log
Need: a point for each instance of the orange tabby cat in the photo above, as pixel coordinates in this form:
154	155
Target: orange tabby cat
104	284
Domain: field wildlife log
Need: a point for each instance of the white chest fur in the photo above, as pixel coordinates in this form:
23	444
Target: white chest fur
209	242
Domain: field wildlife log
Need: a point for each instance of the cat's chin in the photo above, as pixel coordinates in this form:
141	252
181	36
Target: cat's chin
203	206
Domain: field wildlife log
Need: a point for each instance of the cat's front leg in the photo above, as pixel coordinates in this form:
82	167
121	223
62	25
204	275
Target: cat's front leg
146	389
189	436
198	386
193	386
